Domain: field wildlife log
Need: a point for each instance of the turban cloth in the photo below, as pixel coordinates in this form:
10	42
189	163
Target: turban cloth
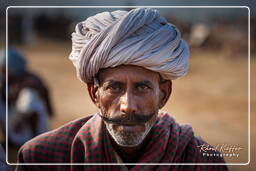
140	37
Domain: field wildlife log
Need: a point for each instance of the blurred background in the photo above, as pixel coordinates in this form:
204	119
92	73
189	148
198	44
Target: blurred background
213	97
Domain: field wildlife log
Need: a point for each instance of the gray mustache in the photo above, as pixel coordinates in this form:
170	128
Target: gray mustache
129	119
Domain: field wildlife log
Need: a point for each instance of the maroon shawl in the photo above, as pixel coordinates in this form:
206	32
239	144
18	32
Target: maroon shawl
86	141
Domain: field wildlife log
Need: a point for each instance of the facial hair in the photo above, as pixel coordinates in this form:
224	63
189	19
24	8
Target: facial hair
129	138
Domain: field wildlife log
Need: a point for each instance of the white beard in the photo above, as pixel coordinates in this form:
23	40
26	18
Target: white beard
129	139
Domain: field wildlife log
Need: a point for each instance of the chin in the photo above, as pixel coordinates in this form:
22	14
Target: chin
128	136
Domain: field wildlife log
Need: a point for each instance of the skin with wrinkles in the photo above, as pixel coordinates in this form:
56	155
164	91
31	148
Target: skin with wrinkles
129	98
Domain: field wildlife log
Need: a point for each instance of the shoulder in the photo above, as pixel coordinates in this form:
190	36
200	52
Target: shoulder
190	148
53	146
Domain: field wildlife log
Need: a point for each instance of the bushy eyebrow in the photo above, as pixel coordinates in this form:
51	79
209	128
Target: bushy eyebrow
112	82
144	82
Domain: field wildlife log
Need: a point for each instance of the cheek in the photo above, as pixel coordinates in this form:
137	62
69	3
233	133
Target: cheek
149	103
107	104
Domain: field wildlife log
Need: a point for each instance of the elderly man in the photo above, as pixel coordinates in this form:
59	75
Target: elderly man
127	60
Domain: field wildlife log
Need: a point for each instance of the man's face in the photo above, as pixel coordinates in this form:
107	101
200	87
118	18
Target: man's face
129	98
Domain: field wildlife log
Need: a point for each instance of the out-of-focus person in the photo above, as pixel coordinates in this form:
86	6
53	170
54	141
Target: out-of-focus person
29	106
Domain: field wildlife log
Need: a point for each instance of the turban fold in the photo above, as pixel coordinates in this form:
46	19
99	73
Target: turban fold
139	37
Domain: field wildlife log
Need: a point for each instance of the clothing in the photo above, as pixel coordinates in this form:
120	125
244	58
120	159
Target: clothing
28	99
86	141
26	94
28	102
140	37
20	78
32	81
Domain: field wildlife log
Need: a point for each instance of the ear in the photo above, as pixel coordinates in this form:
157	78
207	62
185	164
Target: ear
93	92
166	90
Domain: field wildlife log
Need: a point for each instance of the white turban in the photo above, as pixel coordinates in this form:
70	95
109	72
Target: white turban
139	37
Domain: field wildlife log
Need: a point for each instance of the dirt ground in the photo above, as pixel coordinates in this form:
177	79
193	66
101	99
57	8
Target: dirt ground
213	97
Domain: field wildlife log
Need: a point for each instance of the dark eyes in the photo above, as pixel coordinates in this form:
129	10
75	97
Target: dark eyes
114	88
118	88
142	87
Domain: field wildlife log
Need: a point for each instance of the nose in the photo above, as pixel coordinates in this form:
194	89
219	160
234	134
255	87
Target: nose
128	103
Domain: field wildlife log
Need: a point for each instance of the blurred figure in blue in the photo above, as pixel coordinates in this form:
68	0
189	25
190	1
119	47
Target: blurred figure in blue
29	105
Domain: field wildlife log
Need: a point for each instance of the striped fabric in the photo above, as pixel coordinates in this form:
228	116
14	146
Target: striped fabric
86	141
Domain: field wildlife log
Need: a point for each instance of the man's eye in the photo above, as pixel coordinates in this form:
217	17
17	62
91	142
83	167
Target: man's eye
143	87
114	88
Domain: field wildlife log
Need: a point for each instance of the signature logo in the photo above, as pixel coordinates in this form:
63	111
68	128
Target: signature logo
220	150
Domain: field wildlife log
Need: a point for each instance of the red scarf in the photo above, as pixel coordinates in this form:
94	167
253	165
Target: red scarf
169	143
86	141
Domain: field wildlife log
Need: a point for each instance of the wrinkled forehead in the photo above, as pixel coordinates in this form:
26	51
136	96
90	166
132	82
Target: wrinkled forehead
129	73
